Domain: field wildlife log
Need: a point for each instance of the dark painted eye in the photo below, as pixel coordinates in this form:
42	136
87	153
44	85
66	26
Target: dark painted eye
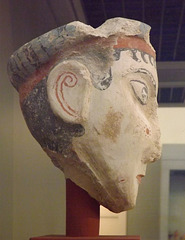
140	90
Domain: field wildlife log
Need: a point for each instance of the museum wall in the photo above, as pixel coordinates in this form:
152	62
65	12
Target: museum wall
144	219
6	126
39	187
177	203
31	188
172	122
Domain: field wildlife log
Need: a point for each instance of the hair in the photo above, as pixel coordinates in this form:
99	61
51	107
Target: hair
41	50
47	128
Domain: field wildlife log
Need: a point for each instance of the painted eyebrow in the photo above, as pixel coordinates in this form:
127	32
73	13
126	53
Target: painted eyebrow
145	71
135	57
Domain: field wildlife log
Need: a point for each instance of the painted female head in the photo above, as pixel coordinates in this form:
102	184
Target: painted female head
89	98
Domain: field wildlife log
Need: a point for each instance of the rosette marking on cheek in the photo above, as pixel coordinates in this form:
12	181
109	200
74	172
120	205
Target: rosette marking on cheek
147	131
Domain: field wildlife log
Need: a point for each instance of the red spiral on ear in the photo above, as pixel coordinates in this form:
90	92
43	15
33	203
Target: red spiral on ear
66	79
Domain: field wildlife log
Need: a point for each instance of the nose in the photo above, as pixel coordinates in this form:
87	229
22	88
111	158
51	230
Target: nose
152	153
152	156
154	159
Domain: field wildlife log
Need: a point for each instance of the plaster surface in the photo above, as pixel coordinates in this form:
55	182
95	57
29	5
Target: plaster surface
89	98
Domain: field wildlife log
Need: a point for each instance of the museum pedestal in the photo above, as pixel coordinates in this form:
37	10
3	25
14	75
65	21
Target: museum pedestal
57	237
82	218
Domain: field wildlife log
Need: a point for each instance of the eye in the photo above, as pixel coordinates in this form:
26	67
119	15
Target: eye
140	90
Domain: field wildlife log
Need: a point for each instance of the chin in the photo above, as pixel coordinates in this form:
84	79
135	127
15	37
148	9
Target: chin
121	199
120	205
115	196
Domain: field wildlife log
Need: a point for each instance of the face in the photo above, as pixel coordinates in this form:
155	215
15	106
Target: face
122	133
93	112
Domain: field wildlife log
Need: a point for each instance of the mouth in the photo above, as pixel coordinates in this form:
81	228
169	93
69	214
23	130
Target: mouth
139	178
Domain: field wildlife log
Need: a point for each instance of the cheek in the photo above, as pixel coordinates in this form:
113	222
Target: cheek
138	127
111	127
147	131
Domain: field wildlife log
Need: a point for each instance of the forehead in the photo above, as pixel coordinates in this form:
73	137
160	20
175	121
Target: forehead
133	53
135	61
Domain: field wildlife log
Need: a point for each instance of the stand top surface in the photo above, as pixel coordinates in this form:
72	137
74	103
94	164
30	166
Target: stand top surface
59	237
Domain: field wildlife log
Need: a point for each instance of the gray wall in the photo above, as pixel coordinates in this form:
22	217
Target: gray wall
149	212
6	127
32	190
143	220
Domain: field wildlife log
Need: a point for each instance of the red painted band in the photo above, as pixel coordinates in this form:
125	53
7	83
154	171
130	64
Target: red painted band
134	43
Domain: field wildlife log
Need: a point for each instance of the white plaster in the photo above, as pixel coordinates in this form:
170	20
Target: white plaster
121	133
125	156
114	26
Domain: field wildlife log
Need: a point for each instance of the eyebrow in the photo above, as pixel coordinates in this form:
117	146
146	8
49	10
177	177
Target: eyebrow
142	55
145	71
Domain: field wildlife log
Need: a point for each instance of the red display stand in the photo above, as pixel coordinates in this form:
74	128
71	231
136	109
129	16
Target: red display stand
55	237
82	218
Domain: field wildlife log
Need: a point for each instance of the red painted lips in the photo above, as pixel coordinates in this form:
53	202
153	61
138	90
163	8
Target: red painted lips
139	177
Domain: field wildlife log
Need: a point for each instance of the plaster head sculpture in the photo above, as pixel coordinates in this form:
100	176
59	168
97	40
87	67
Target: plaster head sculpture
89	98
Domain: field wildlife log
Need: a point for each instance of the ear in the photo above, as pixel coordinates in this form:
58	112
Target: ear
69	87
